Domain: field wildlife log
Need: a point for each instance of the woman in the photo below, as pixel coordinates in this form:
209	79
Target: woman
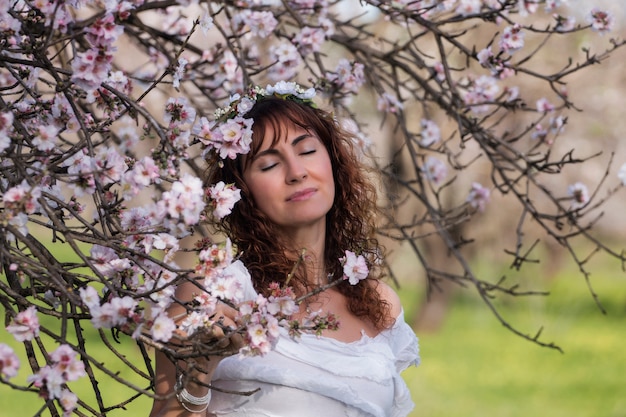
303	191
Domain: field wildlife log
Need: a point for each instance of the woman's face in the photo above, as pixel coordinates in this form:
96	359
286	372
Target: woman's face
292	181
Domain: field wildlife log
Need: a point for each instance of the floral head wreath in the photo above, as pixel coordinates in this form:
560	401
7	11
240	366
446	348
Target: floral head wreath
231	133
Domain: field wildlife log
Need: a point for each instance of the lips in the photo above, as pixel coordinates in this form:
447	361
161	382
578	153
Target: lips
302	195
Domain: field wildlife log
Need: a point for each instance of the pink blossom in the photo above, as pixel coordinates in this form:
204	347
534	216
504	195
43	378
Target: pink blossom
162	328
389	103
348	75
8	23
258	337
68	401
45	138
25	325
544	106
527	7
469	7
91	68
223	198
236	137
206	23
354	267
144	173
103	32
430	133
119	81
541	134
511	93
89	297
66	361
22	198
101	258
557	124
50	380
440	71
110	165
495	64
484	56
229	65
579	194
9	362
564	23
478	196
435	170
601	21
224	286
309	40
6	129
194	321
64	367
184	201
178	111
215	258
203	129
284	305
124	308
287	61
261	23
512	39
20	222
481	90
166	242
103	316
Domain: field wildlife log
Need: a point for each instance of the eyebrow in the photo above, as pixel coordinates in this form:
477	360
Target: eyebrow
273	151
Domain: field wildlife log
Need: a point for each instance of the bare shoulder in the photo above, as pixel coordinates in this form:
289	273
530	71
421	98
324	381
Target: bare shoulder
389	295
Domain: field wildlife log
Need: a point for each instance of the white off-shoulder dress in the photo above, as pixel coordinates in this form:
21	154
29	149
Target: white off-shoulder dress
320	376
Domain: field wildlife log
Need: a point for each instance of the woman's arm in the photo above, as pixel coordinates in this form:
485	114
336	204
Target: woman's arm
166	372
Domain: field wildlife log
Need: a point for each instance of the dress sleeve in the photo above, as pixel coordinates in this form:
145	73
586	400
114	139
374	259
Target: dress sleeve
404	344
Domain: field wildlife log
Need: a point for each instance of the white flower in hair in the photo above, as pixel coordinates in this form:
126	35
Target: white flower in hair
354	267
282	88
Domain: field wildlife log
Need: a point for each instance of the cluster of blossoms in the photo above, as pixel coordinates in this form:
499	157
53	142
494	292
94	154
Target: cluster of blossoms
479	196
264	316
63	365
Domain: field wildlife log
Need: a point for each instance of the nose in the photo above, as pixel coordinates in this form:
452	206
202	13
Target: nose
296	172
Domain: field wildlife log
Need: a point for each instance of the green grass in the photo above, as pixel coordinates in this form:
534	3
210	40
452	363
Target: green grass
475	367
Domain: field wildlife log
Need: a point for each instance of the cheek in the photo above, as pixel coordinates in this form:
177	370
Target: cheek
260	192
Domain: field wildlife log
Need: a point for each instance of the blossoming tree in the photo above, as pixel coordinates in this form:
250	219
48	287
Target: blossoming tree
107	109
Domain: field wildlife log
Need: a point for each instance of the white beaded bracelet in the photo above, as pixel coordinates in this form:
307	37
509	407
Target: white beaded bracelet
183	396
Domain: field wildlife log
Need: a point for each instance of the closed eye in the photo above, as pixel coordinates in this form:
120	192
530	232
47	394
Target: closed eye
308	152
268	167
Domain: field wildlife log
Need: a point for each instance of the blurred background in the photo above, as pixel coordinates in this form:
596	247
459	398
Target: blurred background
472	365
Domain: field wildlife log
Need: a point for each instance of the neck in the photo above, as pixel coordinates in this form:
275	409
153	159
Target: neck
309	243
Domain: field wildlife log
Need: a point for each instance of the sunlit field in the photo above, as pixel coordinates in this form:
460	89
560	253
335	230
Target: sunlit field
473	366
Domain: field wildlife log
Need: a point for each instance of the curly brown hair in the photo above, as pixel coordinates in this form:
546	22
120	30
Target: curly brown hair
350	223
